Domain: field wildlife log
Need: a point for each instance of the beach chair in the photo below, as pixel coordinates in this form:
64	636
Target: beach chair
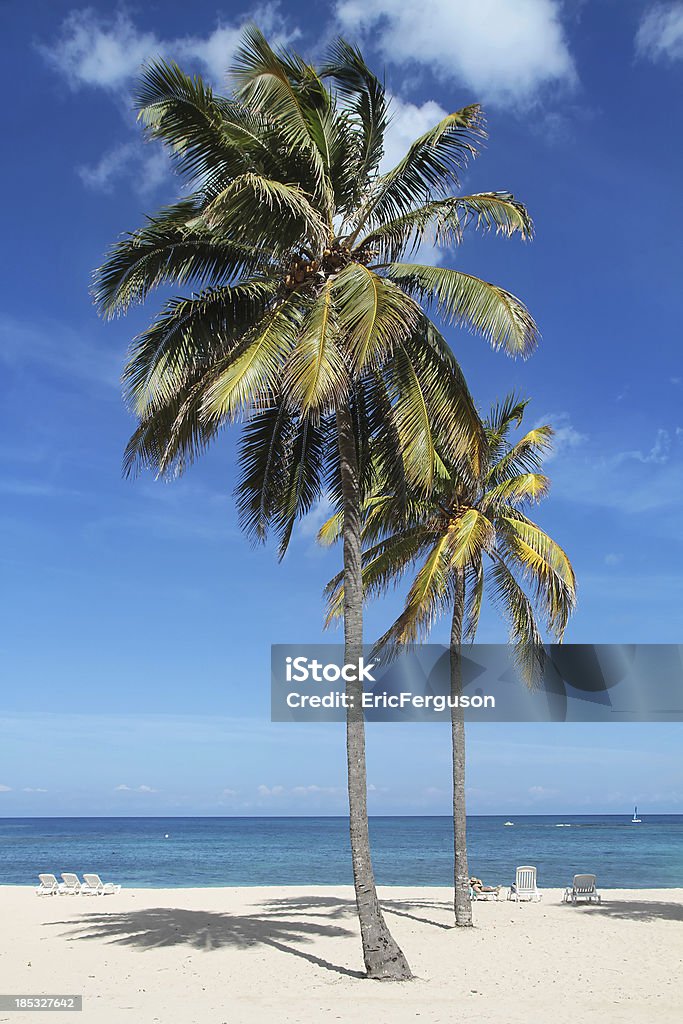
94	886
478	894
49	886
582	888
524	886
71	884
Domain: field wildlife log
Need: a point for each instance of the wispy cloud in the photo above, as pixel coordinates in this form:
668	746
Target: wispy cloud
660	33
565	437
147	167
107	51
631	482
659	453
5	789
504	52
123	788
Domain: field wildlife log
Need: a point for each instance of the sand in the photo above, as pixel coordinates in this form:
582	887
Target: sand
228	956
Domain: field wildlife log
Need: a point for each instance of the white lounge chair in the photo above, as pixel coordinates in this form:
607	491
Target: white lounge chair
524	886
71	884
94	886
582	888
49	886
491	892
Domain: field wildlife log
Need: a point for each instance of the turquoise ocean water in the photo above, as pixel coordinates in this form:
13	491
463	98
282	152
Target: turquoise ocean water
166	852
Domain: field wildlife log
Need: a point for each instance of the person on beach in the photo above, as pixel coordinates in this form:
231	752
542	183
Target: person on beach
478	887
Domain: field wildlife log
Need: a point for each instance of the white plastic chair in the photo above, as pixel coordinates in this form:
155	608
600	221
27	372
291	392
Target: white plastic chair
582	888
94	886
524	887
71	884
49	886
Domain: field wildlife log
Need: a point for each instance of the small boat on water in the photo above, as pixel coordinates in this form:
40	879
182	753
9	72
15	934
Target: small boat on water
635	820
509	822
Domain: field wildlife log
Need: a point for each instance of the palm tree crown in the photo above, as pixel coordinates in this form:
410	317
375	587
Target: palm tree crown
293	241
472	530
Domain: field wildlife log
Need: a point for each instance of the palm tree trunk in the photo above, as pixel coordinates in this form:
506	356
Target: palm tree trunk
384	959
461	895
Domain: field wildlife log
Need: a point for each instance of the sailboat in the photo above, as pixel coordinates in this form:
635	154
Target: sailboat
635	820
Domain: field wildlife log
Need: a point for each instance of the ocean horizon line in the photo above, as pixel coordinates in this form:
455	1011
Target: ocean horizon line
339	817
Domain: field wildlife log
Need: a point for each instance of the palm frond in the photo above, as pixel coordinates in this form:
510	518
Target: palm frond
443	222
509	597
251	375
187	337
430	168
315	376
264	213
471	302
271	83
374	315
368	104
168	251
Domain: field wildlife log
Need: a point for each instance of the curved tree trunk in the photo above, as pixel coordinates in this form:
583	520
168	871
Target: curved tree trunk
461	894
384	959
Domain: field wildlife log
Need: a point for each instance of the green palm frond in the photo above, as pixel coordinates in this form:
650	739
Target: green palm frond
315	375
514	605
168	251
183	113
251	375
430	594
187	337
545	565
264	213
515	489
443	223
264	454
368	104
470	534
374	315
430	168
468	301
526	456
272	83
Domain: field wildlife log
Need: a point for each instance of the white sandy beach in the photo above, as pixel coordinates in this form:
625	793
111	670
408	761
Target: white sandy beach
227	956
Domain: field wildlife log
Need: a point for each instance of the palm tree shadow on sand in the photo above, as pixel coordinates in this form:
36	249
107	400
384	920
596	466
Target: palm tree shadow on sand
633	910
336	909
164	926
283	924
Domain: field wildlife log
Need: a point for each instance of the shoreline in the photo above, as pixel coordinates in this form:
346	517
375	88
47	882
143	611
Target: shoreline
292	954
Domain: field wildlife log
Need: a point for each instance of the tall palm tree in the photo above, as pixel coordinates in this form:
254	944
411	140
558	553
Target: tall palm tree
472	530
303	320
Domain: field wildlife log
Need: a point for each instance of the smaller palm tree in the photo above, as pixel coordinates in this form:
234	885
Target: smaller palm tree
472	532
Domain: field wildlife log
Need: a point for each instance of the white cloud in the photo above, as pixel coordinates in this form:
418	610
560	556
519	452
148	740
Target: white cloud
408	121
660	34
123	788
100	51
5	789
108	51
268	791
31	789
148	168
504	52
565	436
659	454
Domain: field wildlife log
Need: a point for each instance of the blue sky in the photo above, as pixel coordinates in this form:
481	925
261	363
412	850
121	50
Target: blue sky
136	620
